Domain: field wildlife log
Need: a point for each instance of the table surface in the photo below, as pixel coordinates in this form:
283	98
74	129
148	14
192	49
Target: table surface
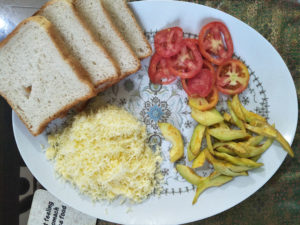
277	202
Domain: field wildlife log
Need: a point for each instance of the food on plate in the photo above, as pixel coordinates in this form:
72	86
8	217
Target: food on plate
206	64
248	151
232	77
208	117
243	113
172	134
210	67
224	134
103	152
213	180
159	72
243	149
199	160
235	118
249	116
255	140
187	63
101	24
39	79
200	85
226	147
206	103
125	21
255	158
226	168
168	42
209	142
190	155
237	108
80	41
222	124
227	117
196	139
215	42
230	148
237	160
189	174
261	126
284	144
201	79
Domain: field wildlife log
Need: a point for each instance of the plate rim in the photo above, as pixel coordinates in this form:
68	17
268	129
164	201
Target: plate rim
265	41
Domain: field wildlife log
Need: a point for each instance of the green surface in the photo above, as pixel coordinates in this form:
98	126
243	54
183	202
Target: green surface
278	201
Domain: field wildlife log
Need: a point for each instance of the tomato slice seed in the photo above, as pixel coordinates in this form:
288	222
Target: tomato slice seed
232	77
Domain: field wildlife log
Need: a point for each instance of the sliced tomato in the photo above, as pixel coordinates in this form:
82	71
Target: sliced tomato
196	41
187	62
168	42
206	63
200	85
215	42
210	67
232	77
185	87
158	70
205	103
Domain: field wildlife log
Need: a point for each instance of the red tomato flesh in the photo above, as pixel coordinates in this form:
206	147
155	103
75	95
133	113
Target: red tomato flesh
210	67
187	62
168	42
158	70
200	85
206	63
215	42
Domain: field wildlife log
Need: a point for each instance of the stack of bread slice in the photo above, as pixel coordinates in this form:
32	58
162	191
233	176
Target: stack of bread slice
65	54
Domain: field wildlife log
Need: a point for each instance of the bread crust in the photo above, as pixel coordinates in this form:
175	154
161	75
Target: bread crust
78	70
90	33
138	27
123	75
115	82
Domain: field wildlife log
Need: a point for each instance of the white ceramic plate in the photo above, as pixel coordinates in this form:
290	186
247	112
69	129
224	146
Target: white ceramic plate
271	92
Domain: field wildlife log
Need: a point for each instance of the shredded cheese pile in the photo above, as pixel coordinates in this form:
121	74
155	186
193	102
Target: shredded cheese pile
103	152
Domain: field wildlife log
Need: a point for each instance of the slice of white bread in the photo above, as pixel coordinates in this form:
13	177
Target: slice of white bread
102	26
38	77
127	24
80	41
